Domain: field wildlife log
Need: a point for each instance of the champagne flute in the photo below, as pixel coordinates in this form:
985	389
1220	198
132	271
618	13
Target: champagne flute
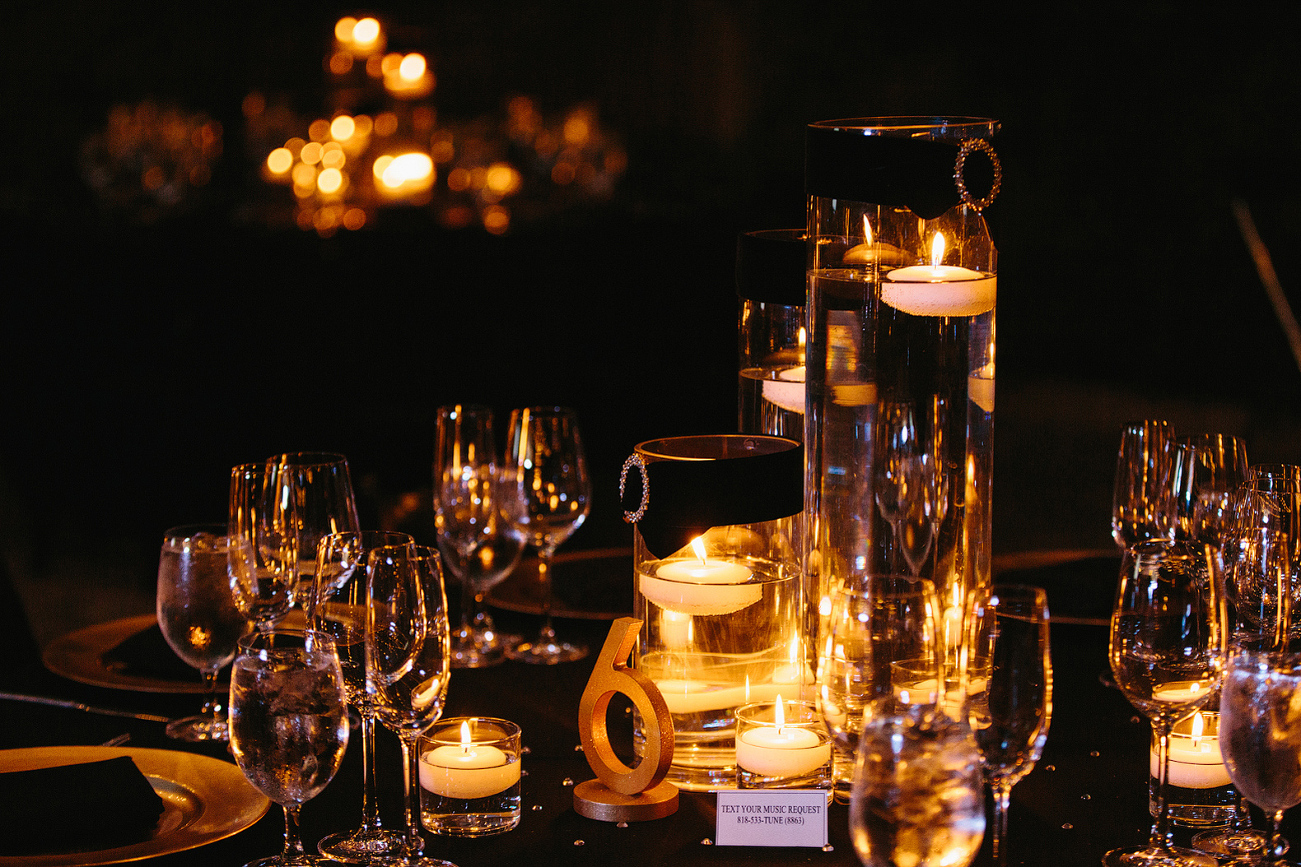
408	660
549	496
338	608
1142	472
309	496
1166	650
288	724
202	611
1011	716
479	545
882	619
268	583
1260	734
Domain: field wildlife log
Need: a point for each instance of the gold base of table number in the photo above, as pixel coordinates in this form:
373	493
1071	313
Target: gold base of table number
620	793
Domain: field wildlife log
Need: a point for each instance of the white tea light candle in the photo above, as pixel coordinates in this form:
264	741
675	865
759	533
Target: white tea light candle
779	749
703	585
939	290
468	770
1195	758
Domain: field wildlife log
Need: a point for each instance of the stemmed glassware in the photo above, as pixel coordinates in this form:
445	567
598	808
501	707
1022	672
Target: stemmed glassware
548	496
309	497
479	544
1166	650
338	608
202	611
1140	492
288	723
1205	473
909	485
408	660
881	620
268	582
1011	715
1260	734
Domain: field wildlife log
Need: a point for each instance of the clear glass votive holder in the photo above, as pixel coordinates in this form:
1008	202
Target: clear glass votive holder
1200	794
470	777
915	682
782	745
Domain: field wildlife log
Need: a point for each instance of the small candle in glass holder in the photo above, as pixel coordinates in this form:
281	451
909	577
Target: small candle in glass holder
470	777
782	744
1199	793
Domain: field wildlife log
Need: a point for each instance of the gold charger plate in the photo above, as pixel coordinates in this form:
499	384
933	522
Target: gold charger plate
79	656
204	800
593	584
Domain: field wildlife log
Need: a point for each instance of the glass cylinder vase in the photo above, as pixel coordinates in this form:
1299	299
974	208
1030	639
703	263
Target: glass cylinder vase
717	561
770	331
900	354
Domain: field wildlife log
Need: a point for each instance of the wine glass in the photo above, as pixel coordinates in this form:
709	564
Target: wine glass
1205	473
338	608
268	583
880	620
1142	471
309	496
1010	718
548	495
1166	650
408	647
479	545
202	611
1260	733
288	723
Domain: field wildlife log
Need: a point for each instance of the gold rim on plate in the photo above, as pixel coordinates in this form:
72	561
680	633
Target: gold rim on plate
204	800
79	656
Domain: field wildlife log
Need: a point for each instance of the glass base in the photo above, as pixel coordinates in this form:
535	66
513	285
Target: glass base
360	847
471	649
548	653
1245	845
199	728
1146	856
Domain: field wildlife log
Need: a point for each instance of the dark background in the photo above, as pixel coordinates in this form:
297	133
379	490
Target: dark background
143	355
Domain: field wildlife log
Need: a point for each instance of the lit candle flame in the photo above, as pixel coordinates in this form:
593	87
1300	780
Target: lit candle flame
780	716
937	250
1197	729
698	545
867	230
465	737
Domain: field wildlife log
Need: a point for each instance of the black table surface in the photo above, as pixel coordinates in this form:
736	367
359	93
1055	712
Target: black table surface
1087	794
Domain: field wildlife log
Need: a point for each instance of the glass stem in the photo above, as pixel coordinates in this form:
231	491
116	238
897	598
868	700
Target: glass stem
293	841
1275	850
411	787
548	633
369	805
1160	836
1002	798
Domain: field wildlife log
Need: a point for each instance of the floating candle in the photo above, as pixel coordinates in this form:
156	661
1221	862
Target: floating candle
787	390
939	290
468	771
1195	758
704	585
781	750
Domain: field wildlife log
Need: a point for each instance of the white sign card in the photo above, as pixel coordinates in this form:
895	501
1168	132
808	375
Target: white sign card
771	817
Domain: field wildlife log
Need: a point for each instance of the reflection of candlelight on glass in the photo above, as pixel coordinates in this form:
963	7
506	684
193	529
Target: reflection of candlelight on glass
359	38
780	750
873	252
470	770
407	77
701	585
939	290
1194	750
404	175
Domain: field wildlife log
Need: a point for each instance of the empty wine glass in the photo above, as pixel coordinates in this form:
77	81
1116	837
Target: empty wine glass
548	497
879	621
1166	650
202	611
1205	473
288	723
310	497
268	582
1142	470
408	647
1010	718
479	545
338	608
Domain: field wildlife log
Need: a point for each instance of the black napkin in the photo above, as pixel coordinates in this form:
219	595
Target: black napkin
147	654
95	805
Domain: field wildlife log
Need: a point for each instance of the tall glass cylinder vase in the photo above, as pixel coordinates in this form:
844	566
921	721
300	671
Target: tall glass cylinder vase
900	354
770	331
717	561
